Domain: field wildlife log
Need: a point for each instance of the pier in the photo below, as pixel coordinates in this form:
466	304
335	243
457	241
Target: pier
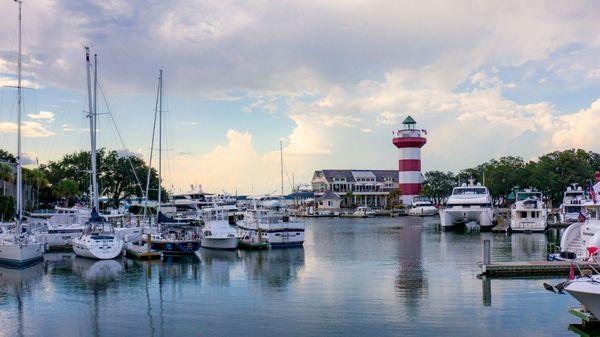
528	268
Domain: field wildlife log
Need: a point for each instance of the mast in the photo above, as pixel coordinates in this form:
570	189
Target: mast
95	120
160	92
92	117
151	150
281	162
19	98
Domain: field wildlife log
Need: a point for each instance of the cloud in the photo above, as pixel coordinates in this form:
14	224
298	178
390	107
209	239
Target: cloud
579	130
29	158
188	123
47	115
28	129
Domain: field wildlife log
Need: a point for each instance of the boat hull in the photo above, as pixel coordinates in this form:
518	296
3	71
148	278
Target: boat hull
176	247
423	211
586	294
220	243
101	247
16	256
451	218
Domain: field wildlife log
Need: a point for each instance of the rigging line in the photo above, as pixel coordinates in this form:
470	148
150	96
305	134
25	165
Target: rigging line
102	93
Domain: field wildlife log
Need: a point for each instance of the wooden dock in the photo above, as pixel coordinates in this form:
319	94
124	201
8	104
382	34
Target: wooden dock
529	268
142	252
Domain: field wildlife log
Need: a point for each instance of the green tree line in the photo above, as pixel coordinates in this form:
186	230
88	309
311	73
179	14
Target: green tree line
551	174
67	180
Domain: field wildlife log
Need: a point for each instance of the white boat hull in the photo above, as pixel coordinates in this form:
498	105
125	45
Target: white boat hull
587	293
456	216
423	211
220	243
15	255
101	247
526	225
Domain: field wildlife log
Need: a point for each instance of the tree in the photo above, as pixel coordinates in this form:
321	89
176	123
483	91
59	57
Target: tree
393	198
34	180
116	178
438	185
66	189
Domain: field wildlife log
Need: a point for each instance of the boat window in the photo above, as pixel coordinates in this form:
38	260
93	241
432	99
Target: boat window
469	190
526	195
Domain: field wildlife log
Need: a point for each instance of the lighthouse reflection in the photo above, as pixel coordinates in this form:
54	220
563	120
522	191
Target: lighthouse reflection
411	281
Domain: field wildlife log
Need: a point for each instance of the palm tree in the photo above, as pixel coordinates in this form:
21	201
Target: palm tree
6	175
34	180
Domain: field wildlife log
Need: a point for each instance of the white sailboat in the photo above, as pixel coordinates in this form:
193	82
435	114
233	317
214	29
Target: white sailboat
18	249
98	241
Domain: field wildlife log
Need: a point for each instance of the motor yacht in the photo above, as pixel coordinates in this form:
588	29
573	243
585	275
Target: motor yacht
422	206
468	204
529	212
217	233
586	290
273	226
582	237
572	205
58	229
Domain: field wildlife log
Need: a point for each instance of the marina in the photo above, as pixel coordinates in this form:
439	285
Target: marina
395	275
219	169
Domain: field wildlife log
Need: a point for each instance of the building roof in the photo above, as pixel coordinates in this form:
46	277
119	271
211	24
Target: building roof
409	120
328	195
380	175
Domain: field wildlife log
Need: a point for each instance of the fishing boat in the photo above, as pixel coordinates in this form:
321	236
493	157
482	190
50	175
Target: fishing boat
572	205
19	248
422	206
217	233
470	203
98	240
272	226
529	212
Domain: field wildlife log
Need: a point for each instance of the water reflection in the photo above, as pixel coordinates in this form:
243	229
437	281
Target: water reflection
411	278
273	268
18	283
217	264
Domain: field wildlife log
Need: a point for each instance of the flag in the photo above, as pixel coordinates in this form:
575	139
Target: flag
571	272
592	252
581	217
592	192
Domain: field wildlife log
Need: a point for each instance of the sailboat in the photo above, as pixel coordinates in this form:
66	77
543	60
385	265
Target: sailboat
98	240
171	237
18	248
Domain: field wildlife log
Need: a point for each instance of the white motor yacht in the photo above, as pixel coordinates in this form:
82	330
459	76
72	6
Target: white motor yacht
586	290
361	212
582	236
572	204
468	203
529	212
273	226
422	206
217	233
59	229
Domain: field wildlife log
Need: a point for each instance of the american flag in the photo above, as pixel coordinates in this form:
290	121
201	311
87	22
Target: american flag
592	192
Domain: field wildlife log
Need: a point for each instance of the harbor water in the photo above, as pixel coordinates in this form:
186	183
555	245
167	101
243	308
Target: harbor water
354	277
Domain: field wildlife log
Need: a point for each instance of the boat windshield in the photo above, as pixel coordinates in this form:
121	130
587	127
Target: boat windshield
468	190
529	195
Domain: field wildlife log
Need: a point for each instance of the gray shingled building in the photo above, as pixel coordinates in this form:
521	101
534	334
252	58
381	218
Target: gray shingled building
367	187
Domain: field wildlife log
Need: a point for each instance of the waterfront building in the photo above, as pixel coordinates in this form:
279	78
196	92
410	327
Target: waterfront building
356	187
409	141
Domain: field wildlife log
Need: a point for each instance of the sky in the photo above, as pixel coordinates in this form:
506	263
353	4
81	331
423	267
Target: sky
330	80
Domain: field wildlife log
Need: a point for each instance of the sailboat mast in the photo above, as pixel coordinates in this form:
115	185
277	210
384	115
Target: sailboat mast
160	99
151	151
95	120
281	162
19	98
90	115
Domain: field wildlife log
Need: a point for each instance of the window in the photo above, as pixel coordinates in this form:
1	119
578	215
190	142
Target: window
329	203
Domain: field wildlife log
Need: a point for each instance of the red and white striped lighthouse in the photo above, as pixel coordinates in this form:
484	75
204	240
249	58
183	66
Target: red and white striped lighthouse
409	141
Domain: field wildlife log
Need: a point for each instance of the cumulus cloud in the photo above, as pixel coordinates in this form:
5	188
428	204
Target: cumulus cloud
48	115
579	130
28	129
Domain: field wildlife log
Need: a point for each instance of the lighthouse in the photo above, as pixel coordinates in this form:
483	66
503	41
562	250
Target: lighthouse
409	141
